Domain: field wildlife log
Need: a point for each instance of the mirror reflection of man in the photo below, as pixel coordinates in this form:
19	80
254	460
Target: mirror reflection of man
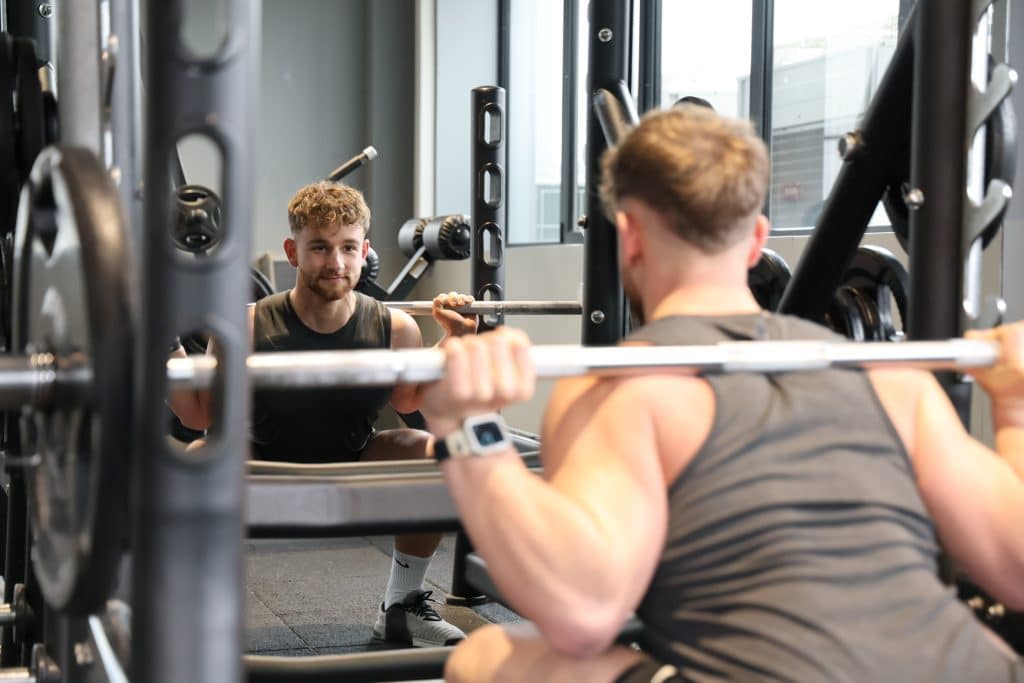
327	245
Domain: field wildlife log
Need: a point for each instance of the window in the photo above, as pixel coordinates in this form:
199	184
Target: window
705	52
825	73
534	120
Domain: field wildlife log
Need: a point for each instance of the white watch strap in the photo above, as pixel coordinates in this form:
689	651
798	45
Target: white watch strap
458	444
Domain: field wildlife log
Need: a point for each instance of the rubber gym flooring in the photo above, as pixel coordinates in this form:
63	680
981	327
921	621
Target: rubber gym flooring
320	596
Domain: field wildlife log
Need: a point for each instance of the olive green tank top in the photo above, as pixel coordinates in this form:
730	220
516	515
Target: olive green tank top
316	425
798	546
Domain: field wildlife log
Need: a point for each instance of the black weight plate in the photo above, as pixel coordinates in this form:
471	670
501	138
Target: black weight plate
768	279
874	269
72	299
261	287
197	227
447	237
9	182
844	315
29	114
370	271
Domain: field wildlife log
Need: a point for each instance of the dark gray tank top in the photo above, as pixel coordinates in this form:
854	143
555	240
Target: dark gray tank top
798	546
323	425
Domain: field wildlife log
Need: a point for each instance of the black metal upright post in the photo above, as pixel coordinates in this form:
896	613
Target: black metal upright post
762	66
187	595
32	20
649	92
938	170
490	208
876	157
938	167
604	307
487	267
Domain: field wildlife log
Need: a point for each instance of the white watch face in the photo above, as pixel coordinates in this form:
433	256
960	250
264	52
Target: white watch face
486	434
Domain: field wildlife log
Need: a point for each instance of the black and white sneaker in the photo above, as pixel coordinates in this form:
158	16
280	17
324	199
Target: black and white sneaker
415	622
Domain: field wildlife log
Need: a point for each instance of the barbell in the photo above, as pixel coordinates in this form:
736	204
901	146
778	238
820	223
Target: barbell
486	307
70	370
44	381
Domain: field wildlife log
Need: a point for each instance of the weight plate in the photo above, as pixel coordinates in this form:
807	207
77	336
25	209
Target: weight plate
370	271
410	235
447	237
845	316
197	228
29	115
881	278
261	286
768	279
72	300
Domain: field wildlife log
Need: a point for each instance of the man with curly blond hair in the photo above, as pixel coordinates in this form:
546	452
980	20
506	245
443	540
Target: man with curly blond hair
328	245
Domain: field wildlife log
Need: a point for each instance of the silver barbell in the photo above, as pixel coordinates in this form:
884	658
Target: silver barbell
39	379
492	308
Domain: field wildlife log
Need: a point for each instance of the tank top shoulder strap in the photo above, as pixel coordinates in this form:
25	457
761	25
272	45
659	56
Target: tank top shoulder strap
270	320
373	319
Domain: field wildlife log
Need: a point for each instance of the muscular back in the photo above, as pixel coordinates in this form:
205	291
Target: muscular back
798	545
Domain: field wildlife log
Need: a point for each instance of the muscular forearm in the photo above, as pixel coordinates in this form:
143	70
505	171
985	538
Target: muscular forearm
544	552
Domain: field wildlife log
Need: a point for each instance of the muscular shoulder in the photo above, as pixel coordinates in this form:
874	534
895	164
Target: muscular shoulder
405	333
901	392
675	413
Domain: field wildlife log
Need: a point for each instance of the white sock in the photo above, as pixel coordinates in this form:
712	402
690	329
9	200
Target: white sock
407	574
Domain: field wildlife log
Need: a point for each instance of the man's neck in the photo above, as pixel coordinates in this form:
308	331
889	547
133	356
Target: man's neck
319	314
701	299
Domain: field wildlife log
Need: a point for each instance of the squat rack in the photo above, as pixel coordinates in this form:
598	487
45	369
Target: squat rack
189	512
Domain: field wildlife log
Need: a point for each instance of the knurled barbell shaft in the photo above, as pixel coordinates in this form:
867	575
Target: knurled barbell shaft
24	380
493	307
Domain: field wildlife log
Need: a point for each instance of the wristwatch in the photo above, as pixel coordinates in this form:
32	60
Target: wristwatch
479	435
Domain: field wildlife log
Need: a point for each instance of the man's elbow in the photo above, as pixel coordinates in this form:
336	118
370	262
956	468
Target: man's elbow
1011	593
582	632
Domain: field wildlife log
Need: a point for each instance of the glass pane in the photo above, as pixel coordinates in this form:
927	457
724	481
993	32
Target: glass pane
825	72
535	118
705	52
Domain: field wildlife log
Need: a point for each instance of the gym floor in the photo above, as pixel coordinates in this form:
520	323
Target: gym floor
321	596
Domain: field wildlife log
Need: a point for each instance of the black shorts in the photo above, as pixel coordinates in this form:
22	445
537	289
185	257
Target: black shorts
346	452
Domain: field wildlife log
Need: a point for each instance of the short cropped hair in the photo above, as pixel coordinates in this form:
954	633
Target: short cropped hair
324	203
704	173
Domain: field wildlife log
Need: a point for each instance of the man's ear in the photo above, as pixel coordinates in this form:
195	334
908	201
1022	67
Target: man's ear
628	230
366	247
291	251
762	228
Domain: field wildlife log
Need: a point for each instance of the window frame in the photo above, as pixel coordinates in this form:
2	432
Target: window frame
647	89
